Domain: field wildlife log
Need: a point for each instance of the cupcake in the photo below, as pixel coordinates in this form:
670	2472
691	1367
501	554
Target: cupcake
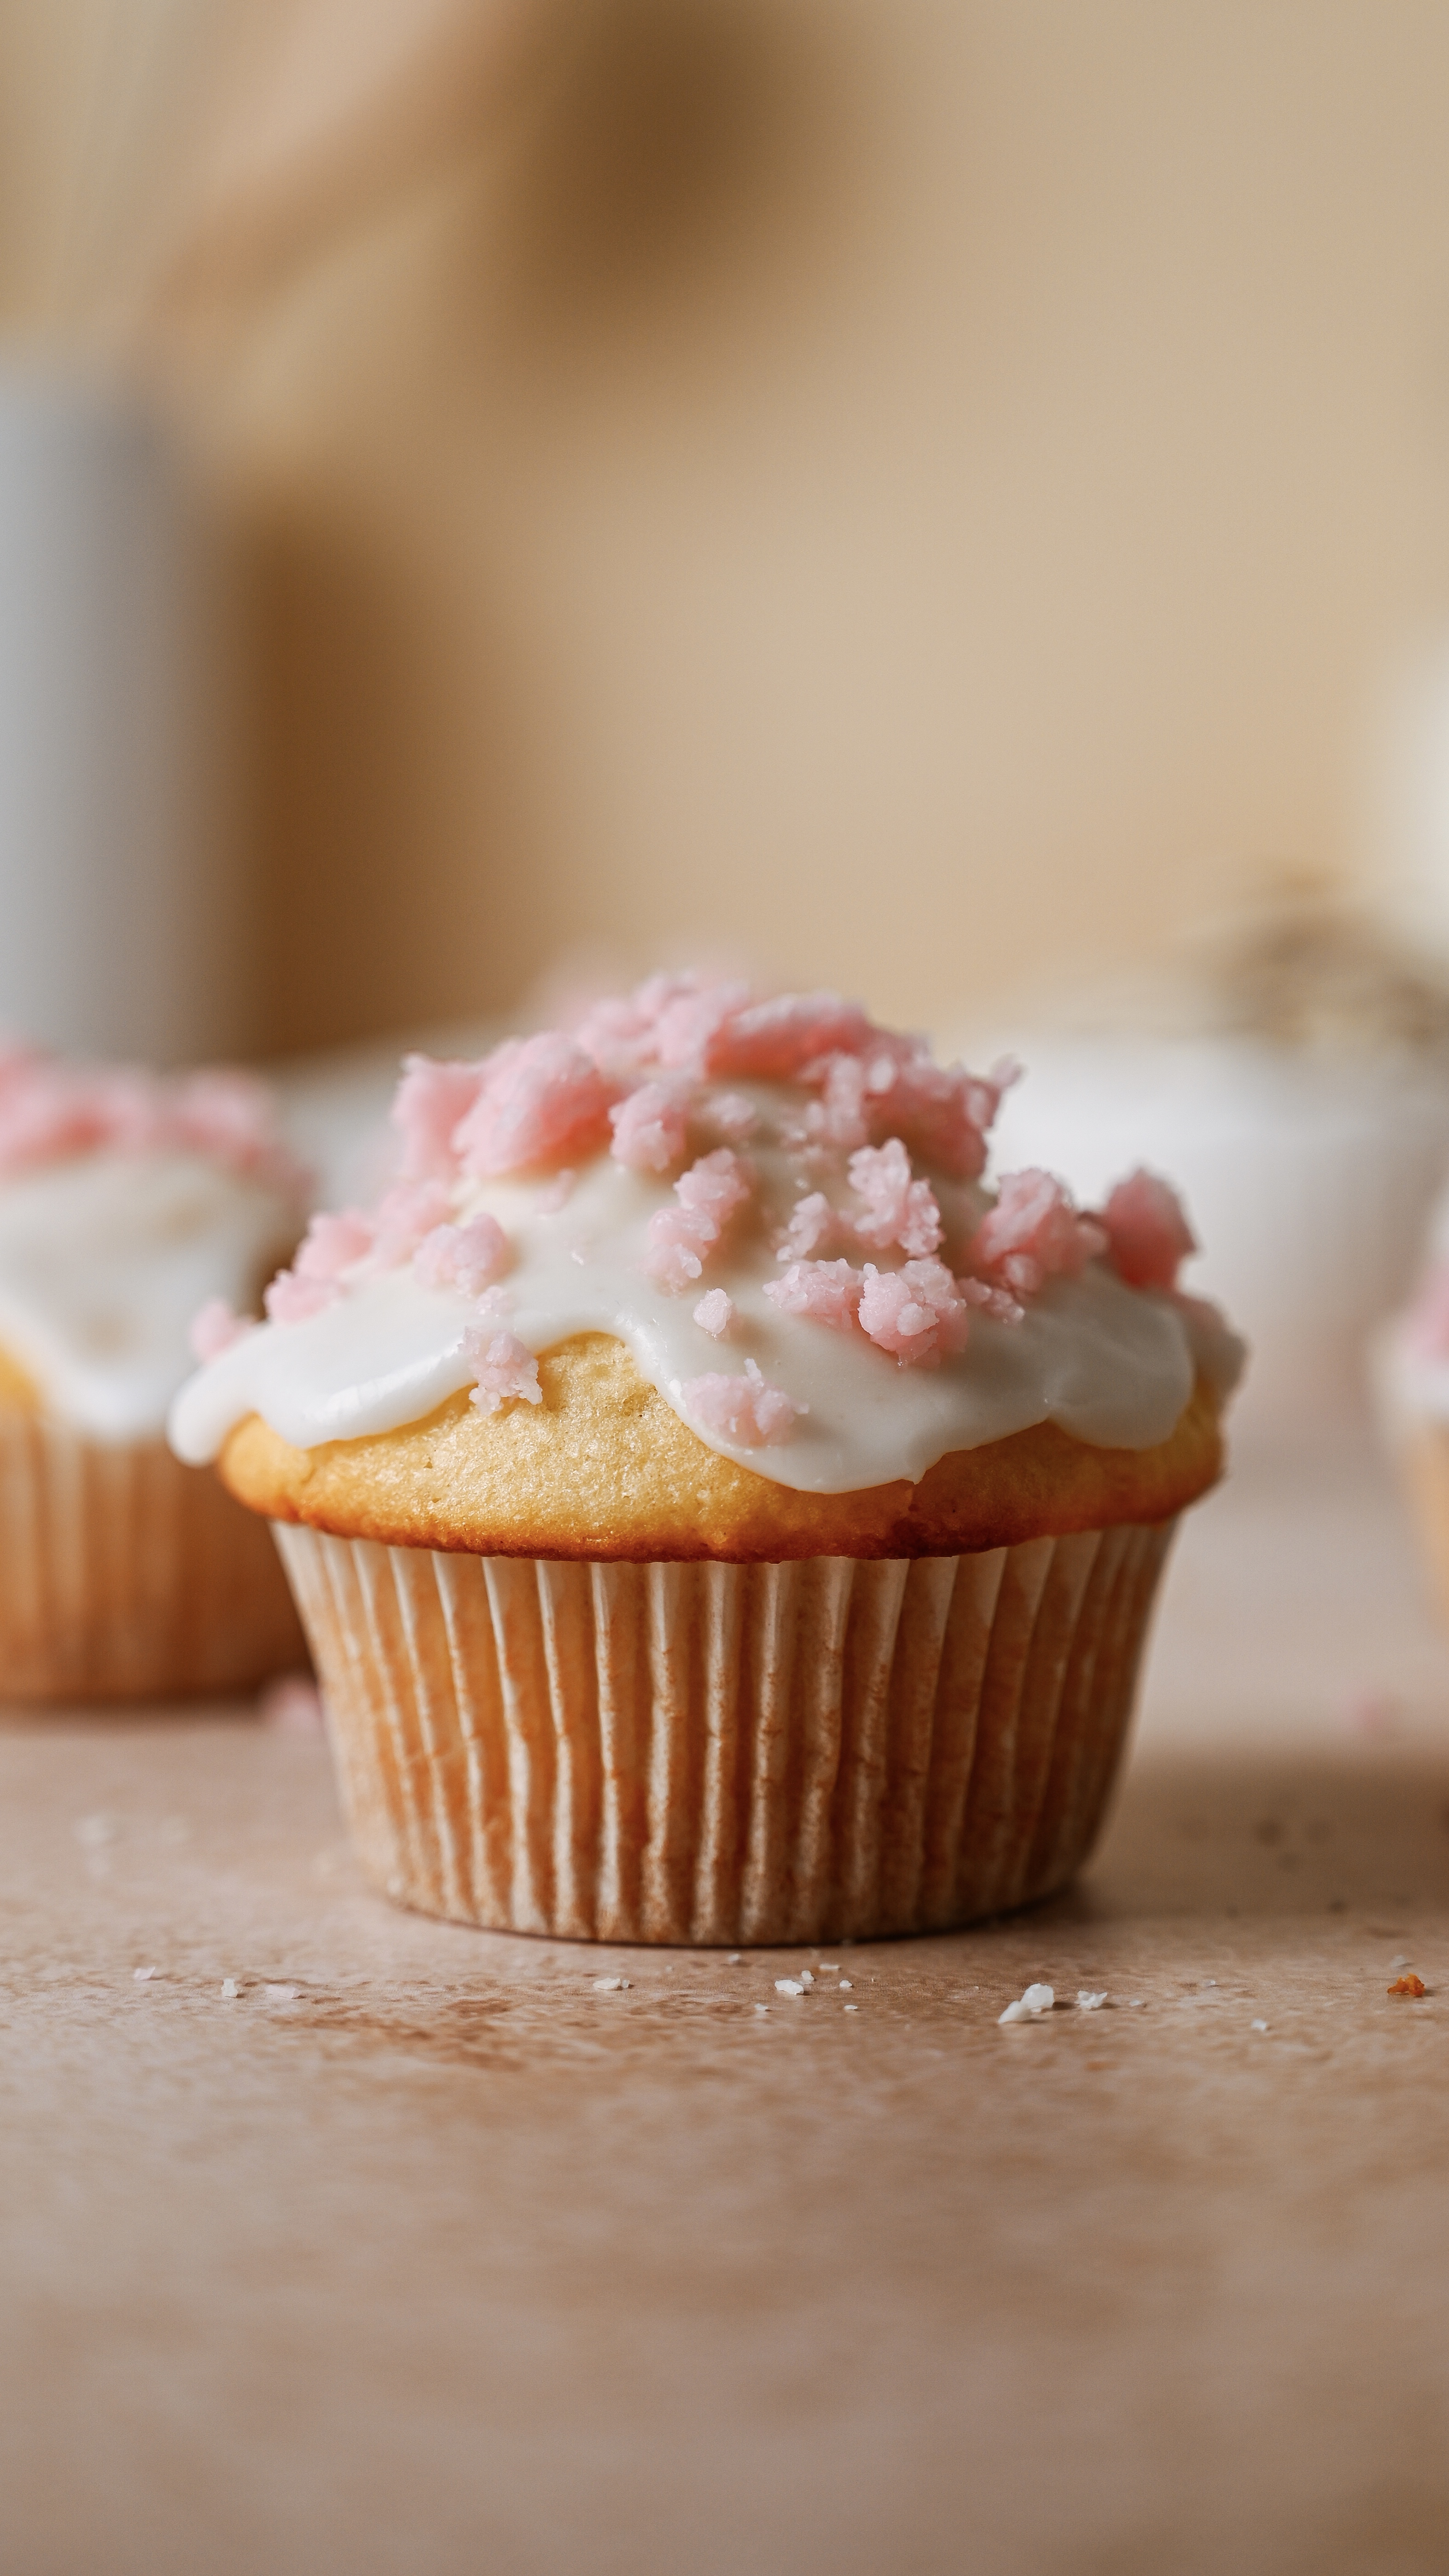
127	1202
716	1516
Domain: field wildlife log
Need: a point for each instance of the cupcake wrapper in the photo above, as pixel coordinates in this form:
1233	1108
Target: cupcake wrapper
726	1753
124	1575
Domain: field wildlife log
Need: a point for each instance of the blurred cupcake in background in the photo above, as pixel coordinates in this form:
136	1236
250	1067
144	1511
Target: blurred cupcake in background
130	1204
1292	1071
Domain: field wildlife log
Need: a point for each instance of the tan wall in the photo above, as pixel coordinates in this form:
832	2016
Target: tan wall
915	494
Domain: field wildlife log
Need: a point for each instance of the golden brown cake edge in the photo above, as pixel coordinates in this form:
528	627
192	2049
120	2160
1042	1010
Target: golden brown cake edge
604	1468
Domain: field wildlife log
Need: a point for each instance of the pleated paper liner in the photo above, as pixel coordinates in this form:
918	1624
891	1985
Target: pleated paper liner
726	1753
124	1575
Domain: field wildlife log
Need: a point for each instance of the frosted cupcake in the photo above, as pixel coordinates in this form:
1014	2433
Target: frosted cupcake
716	1516
127	1202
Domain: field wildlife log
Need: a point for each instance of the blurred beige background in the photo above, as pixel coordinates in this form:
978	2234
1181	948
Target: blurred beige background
922	496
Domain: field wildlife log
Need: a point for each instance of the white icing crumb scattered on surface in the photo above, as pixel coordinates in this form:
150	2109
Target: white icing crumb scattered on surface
143	1976
850	2007
806	1978
281	1994
1260	2025
1030	2006
847	1985
1399	1960
762	2008
789	1986
230	1989
734	1958
1136	2004
611	1985
1089	2002
828	1968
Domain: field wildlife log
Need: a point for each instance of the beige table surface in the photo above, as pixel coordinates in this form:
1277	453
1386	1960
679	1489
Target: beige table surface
450	2263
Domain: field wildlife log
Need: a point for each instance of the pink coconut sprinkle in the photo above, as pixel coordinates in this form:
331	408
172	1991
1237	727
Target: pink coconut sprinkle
917	1313
778	1038
682	1238
215	1327
428	1107
1034	1233
332	1243
540	1097
50	1110
743	1409
291	1299
896	1208
468	1257
813	1223
648	1129
827	1291
715	1313
1148	1235
505	1368
731	1115
409	1211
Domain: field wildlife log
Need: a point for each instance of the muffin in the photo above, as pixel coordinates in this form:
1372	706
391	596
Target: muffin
715	1515
126	1203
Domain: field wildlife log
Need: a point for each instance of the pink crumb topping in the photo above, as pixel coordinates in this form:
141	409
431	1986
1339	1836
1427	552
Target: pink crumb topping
409	1211
430	1103
731	1115
469	1257
505	1369
827	1291
50	1110
917	1313
778	1038
1148	1235
897	1209
1034	1233
539	1097
682	1238
291	1299
648	1129
332	1243
715	1313
214	1328
812	1223
743	1409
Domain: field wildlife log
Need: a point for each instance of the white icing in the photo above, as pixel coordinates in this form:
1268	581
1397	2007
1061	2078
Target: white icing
104	1260
1111	1365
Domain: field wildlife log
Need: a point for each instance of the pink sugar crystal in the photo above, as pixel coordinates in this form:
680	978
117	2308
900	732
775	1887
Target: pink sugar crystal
504	1367
813	1222
648	1129
408	1211
682	1238
827	1291
214	1328
742	1409
689	1020
229	1114
333	1243
731	1115
1033	1233
1148	1235
778	1038
998	1303
468	1257
291	1299
428	1107
715	1313
540	1097
896	1208
917	1313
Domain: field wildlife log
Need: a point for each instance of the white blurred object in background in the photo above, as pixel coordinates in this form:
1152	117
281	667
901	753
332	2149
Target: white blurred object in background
1306	1183
120	931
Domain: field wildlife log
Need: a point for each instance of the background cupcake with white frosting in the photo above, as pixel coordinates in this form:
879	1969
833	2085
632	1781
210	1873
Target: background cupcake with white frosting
129	1202
716	1514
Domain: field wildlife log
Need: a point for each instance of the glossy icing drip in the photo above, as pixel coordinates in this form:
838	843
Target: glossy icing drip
105	1258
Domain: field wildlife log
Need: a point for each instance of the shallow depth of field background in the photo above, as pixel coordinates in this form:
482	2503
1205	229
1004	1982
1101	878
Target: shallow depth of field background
928	496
